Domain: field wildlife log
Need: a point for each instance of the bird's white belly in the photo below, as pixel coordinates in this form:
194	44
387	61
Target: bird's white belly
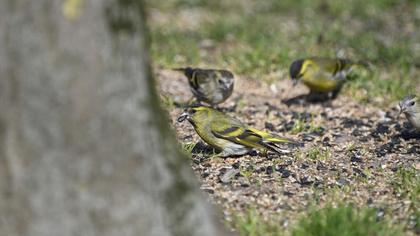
415	122
234	149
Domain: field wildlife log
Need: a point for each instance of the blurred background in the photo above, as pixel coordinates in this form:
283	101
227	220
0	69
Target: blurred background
259	39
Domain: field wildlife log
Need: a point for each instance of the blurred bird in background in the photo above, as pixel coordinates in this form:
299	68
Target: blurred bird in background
322	75
211	86
410	106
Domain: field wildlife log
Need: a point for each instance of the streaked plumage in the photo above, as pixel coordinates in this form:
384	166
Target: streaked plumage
229	135
209	85
322	75
411	108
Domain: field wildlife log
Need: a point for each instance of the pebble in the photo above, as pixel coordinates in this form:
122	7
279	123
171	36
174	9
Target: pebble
244	182
228	175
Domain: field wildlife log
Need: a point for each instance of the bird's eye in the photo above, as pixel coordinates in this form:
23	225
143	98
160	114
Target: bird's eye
412	103
221	81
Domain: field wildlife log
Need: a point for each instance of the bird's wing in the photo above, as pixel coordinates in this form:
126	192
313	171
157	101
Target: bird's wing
204	76
251	138
225	73
196	78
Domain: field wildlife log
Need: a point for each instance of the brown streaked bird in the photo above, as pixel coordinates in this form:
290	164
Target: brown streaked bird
212	86
410	106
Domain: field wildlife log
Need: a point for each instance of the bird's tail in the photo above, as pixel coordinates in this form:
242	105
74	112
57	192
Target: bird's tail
276	143
180	69
187	71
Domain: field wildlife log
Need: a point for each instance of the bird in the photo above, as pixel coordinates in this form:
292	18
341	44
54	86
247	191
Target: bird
230	136
322	75
410	106
212	86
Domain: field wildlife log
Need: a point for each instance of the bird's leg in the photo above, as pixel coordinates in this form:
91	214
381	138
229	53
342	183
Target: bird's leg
334	94
194	102
264	153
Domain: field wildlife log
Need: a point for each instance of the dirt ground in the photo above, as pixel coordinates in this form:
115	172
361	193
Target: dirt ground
352	153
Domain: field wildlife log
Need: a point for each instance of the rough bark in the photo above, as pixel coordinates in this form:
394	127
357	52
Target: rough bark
84	147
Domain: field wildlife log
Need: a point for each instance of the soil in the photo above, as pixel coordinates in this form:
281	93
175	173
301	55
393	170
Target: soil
362	148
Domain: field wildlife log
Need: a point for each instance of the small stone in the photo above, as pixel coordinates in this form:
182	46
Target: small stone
286	173
356	158
305	181
228	175
304	166
244	182
320	166
208	190
342	182
260	170
269	170
307	138
287	193
359	172
236	165
380	214
253	153
269	126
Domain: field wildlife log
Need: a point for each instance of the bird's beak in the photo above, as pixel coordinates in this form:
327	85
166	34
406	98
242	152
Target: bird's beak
183	117
402	110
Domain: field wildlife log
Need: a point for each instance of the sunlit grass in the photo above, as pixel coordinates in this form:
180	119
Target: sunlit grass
344	220
253	224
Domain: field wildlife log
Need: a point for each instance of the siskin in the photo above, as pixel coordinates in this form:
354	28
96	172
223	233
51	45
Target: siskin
230	136
411	108
322	75
209	85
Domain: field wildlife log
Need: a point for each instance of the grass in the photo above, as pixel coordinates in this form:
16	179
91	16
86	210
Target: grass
260	39
302	124
257	39
318	153
253	224
344	220
406	184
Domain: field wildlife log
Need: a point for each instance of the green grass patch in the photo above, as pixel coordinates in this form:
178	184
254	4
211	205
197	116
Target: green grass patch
251	223
406	184
187	148
318	153
344	220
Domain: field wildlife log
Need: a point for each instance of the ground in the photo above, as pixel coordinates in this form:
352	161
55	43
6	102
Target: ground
353	153
357	150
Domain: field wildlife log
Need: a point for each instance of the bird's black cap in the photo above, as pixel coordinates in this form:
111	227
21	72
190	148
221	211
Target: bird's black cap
295	68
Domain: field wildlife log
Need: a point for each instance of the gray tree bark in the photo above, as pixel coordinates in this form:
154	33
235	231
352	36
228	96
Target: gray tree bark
84	147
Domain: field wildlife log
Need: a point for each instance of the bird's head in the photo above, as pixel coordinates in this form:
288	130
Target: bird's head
409	105
192	114
226	80
296	70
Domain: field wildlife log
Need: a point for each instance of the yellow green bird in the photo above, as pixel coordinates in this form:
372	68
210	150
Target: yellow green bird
410	106
211	86
230	136
322	75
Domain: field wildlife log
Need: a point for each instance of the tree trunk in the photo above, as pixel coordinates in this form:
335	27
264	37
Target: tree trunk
84	147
